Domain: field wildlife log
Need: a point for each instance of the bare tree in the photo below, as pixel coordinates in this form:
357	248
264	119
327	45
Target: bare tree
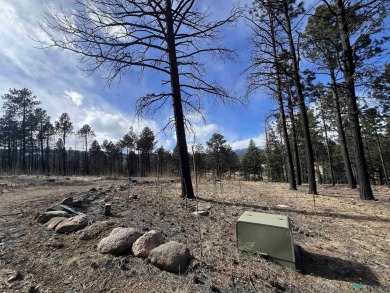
166	36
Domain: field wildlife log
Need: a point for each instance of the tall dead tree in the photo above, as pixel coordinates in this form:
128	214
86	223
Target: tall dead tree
165	36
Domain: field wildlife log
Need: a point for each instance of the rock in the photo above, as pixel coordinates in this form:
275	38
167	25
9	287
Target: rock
67	201
72	224
15	277
201	207
147	242
119	241
56	245
53	208
201	213
94	230
204	206
68	209
93	189
172	257
46	216
53	222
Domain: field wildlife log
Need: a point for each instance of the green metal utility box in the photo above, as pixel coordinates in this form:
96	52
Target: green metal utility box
269	235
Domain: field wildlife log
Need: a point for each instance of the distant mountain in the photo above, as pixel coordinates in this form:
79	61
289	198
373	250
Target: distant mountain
241	151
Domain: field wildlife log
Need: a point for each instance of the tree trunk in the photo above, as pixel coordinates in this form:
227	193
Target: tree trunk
349	71
341	133
295	141
291	173
187	189
328	148
24	140
381	157
64	156
302	106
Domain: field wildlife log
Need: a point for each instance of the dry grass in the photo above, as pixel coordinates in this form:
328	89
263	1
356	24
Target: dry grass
344	241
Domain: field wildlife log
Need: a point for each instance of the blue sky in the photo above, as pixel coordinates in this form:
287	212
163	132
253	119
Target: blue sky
54	77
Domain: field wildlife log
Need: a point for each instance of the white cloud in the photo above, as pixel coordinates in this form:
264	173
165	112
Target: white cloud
75	97
201	133
242	144
113	125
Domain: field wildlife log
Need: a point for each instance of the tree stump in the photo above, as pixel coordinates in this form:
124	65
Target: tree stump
107	209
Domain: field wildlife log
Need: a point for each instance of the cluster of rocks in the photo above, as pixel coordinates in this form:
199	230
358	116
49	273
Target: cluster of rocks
62	221
171	256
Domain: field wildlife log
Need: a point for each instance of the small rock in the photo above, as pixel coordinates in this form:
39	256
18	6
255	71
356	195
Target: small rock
72	224
134	196
119	241
53	222
201	213
15	277
67	201
46	216
146	243
93	189
172	257
56	245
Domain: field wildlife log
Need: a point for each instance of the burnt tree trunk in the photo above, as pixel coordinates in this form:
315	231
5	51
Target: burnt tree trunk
187	189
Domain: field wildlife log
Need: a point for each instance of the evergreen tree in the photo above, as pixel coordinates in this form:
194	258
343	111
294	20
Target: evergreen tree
85	132
64	127
251	162
20	104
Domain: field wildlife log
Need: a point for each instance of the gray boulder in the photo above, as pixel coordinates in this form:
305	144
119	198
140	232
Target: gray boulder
147	242
53	222
119	241
172	257
46	216
72	224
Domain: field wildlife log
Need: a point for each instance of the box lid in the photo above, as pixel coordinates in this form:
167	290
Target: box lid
265	219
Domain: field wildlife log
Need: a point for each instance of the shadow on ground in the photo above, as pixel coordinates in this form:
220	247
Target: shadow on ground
333	268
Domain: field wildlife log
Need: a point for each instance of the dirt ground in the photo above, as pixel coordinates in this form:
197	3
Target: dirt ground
344	242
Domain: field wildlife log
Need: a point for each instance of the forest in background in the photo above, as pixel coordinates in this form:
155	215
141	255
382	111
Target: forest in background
31	143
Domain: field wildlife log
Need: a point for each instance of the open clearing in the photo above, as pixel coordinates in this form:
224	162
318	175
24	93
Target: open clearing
344	242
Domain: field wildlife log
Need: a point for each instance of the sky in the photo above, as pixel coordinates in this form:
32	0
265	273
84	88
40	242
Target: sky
55	77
